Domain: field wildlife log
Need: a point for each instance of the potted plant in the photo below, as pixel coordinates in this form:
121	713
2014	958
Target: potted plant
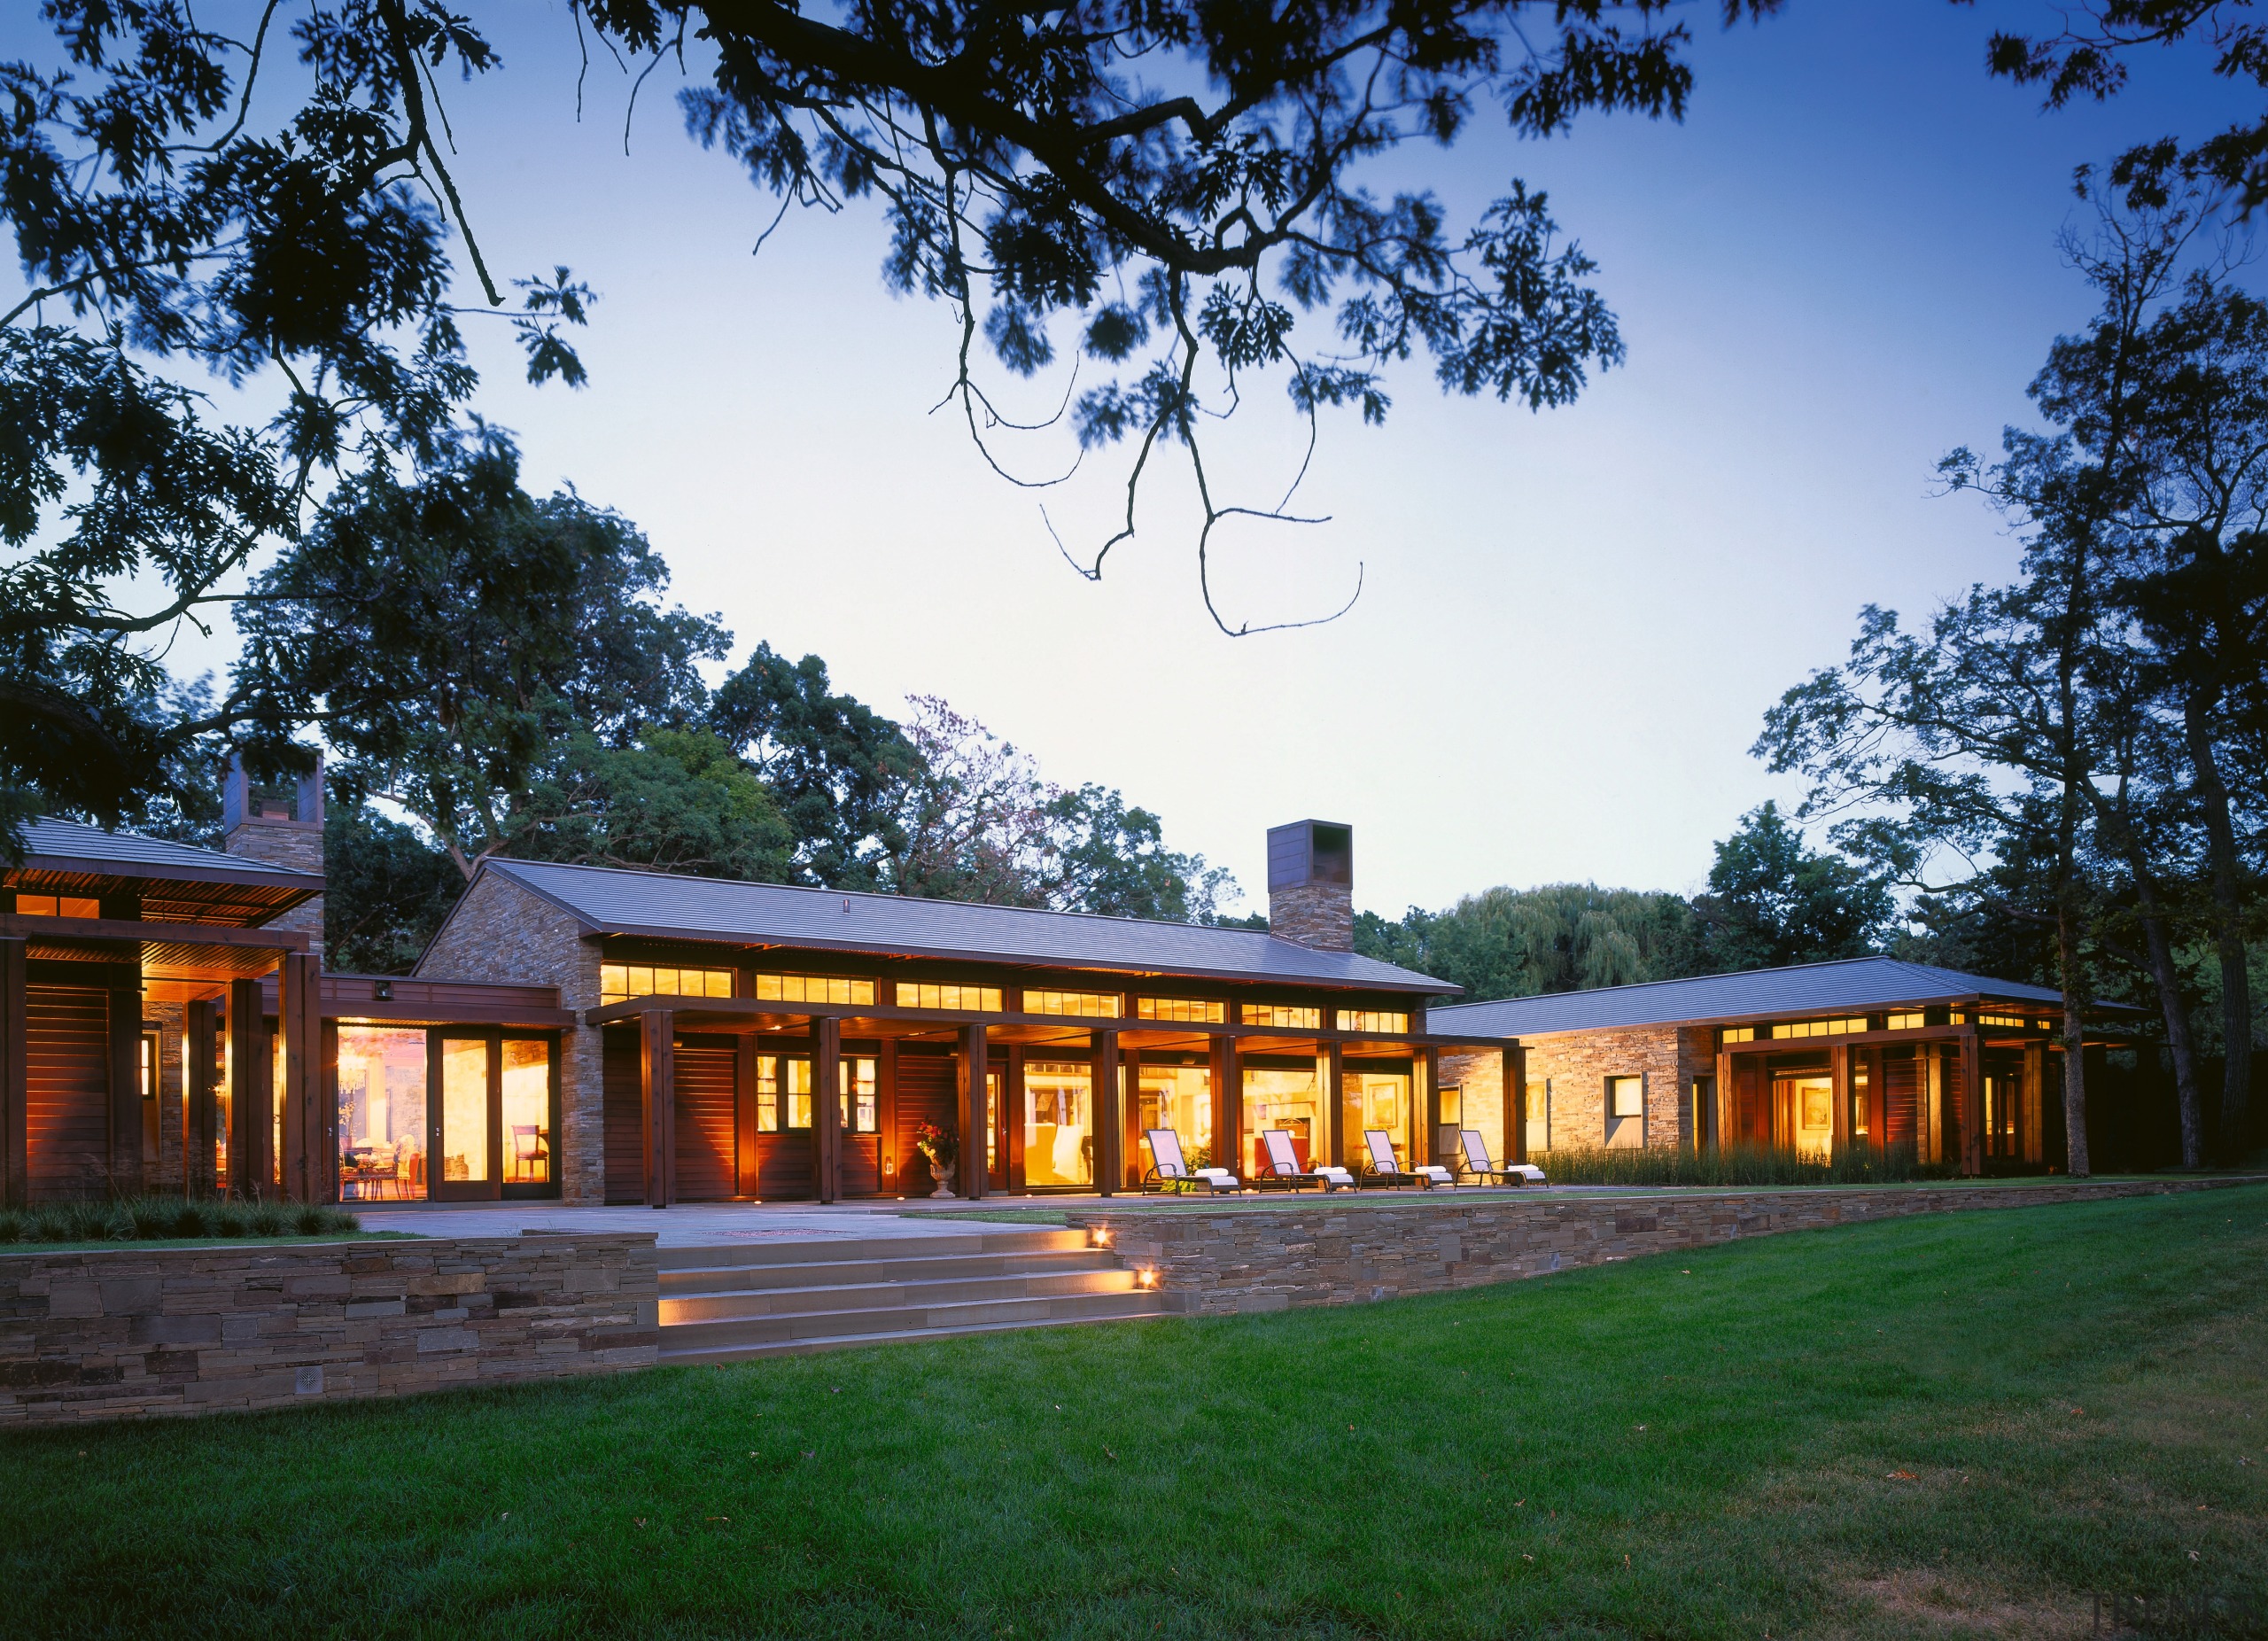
938	1145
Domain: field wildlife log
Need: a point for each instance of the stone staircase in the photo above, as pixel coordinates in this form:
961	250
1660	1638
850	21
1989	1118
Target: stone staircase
726	1304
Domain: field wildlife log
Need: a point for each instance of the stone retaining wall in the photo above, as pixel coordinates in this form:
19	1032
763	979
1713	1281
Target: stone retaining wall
161	1328
1338	1251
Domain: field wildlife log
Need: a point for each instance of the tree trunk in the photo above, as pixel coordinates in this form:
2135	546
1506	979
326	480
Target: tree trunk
2226	879
2075	1072
2168	980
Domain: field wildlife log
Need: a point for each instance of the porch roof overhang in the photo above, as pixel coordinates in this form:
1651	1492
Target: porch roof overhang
161	951
178	882
717	1013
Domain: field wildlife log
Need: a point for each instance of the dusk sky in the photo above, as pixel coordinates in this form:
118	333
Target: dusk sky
1842	265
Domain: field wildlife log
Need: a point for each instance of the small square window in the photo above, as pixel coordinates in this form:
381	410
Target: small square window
1626	1096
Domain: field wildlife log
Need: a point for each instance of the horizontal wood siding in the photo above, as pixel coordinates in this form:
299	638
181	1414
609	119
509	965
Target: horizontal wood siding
862	1165
705	1120
928	1089
625	1148
66	1042
783	1166
1901	1089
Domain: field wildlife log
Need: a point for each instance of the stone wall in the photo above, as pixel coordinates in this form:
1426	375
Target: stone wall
1320	916
499	932
1339	1250
293	844
158	1328
1569	1068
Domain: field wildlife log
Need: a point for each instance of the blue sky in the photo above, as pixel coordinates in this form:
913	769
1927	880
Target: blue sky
1843	264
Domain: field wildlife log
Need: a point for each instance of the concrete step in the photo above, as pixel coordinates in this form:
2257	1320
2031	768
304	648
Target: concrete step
903	1318
854	1294
800	1252
819	1269
718	1356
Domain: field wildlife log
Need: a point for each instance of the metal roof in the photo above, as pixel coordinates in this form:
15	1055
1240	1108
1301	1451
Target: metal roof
64	845
1852	985
611	900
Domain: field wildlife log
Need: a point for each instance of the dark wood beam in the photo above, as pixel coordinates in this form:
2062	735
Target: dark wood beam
15	1074
1108	1128
200	1049
657	1104
251	1096
974	1065
827	1111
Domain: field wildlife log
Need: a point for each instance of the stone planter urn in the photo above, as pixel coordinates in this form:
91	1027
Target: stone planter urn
941	1175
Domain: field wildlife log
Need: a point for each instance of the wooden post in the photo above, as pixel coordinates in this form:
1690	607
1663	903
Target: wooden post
1228	1106
1839	1075
1129	1123
827	1116
125	1019
15	1075
1008	1132
1334	1103
889	1149
1972	1104
975	1066
1515	1105
744	1152
1724	1122
2035	1088
657	1103
1426	1066
298	1015
251	1096
1106	1127
200	1126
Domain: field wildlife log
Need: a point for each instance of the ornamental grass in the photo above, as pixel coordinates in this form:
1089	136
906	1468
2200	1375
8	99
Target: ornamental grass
169	1218
1856	1163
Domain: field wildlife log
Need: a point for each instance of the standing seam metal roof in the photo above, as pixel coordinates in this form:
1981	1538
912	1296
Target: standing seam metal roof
612	900
47	839
1854	983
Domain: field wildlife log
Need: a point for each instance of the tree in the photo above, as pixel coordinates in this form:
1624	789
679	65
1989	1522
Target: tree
452	634
386	891
838	770
1772	900
679	801
1523	942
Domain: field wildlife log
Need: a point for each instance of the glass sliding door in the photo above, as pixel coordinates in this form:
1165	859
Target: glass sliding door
1179	1098
1059	1135
1288	1099
464	1122
528	1131
382	1127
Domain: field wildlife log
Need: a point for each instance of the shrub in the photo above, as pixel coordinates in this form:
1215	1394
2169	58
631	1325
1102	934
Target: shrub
1858	1163
163	1218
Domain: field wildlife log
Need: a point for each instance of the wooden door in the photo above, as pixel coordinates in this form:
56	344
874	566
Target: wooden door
464	1157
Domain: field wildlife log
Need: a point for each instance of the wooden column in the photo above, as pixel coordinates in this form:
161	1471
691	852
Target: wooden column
1426	1066
2035	1091
1129	1123
200	1114
1334	1104
1724	1123
1109	1168
826	1115
1839	1075
1228	1106
1008	1135
1972	1104
15	1075
891	1150
744	1152
251	1096
125	1056
298	1015
976	1065
1515	1106
657	1103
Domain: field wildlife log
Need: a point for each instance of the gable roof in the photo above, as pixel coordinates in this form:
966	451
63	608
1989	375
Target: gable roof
52	846
1855	984
659	905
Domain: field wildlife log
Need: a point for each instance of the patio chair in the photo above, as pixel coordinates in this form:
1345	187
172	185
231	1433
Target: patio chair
1168	1171
1280	1165
1388	1171
1475	1151
529	1149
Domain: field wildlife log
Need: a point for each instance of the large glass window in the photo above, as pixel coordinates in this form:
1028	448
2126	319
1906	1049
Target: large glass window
971	999
1538	1115
1059	1135
381	1113
1377	1099
783	1093
1195	1009
464	1110
860	1095
1288	1099
1374	1020
618	982
813	988
1287	1014
1179	1098
527	1112
1086	1004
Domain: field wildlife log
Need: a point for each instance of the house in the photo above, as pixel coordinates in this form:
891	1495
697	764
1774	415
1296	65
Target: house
1815	1057
714	1016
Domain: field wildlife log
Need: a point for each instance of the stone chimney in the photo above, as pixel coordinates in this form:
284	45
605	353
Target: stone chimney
1311	884
281	825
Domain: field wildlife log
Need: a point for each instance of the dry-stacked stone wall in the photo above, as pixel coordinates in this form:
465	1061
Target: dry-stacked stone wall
157	1328
1340	1250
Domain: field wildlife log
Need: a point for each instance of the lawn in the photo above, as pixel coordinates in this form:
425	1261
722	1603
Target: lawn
1959	1425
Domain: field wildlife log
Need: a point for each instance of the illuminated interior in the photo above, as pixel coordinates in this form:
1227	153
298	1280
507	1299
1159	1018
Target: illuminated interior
1179	1098
381	1113
618	982
1291	1101
527	1112
1059	1135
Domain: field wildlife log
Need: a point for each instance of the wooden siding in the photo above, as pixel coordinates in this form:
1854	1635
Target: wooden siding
626	1150
1902	1096
783	1166
928	1091
67	1040
705	1119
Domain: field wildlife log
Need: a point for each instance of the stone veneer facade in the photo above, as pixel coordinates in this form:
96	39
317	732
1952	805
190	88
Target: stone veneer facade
499	932
161	1328
1319	916
296	844
1566	1084
1337	1250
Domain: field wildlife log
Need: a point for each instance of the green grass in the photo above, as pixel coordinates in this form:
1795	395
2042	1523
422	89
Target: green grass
169	1218
1959	1425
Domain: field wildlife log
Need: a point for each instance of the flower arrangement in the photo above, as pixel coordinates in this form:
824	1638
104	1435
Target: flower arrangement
939	1145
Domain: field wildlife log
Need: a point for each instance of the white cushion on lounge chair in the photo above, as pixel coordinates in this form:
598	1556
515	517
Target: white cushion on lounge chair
1220	1179
1528	1171
1435	1173
1334	1178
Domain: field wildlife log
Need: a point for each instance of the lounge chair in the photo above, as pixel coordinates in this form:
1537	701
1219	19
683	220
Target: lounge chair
1170	1172
1476	1162
1386	1169
1280	1165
